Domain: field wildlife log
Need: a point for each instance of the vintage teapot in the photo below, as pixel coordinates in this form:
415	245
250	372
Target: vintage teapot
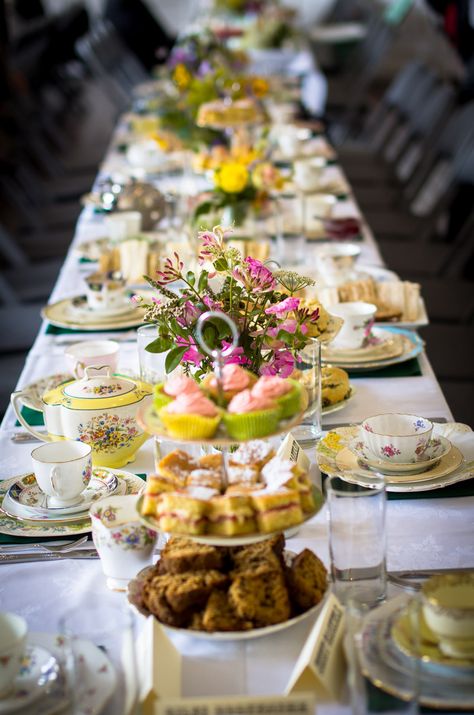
98	409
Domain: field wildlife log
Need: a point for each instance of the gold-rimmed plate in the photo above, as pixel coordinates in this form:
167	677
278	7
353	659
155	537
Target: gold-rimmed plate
32	394
63	315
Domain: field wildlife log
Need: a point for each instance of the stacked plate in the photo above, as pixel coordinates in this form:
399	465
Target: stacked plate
398	653
24	508
387	346
447	461
41	687
75	313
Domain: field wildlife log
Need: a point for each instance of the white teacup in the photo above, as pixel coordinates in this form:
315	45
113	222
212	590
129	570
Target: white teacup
105	291
13	631
122	224
358	319
290	141
448	609
396	438
92	352
62	470
307	174
124	544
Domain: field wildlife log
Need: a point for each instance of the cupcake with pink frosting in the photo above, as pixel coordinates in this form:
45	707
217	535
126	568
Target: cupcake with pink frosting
166	392
190	416
249	416
234	380
286	392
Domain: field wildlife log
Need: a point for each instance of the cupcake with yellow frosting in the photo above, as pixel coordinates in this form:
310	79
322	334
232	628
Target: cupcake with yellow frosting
249	416
191	416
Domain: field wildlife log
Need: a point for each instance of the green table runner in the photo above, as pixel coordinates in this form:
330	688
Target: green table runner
9	539
410	368
33	417
54	330
461	489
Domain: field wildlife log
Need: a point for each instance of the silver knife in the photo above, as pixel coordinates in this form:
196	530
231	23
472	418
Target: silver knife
22	558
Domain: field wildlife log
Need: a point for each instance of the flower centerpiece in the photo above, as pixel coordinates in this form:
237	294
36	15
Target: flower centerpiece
274	324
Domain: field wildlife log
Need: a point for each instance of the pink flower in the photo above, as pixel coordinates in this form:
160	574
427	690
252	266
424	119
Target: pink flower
170	272
254	275
137	299
282	364
191	314
212	242
211	303
279	309
236	357
192	354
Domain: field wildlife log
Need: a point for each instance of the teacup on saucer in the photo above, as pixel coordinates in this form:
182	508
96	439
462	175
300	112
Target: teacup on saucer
437	448
448	609
105	291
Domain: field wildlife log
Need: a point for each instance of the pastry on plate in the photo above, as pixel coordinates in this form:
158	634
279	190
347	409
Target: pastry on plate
185	512
231	515
307	580
191	416
220	615
254	454
261	598
176	466
180	555
277	509
335	386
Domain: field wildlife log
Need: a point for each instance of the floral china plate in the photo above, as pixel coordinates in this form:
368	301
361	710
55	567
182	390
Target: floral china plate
98	679
15	526
32	394
391	670
353	468
80	308
25	500
461	436
437	448
381	345
39	669
412	346
62	315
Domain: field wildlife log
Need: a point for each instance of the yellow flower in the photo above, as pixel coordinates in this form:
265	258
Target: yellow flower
231	178
259	86
181	76
244	155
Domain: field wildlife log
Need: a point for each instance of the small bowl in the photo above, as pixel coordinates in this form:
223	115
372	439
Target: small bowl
396	438
448	609
13	631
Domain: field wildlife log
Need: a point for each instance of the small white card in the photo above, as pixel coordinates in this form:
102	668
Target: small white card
297	704
321	666
291	450
159	666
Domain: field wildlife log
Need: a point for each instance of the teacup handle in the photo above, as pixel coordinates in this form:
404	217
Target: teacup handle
77	367
90	368
54	482
15	400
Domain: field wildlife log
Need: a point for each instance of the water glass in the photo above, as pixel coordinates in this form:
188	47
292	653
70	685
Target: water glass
357	540
290	229
308	372
152	365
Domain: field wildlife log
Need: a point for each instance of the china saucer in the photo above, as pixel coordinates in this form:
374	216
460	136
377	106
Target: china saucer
348	462
63	315
32	394
25	500
437	448
414	638
39	669
387	345
80	306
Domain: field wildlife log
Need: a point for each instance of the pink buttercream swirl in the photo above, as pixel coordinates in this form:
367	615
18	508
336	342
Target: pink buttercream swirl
271	386
192	403
234	378
245	401
181	385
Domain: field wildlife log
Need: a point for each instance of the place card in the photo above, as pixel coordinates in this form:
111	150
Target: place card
159	665
296	704
321	667
291	450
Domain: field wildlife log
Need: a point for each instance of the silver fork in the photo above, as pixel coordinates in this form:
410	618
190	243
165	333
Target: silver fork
52	548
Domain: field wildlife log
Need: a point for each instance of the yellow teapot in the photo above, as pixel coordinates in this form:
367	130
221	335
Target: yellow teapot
99	410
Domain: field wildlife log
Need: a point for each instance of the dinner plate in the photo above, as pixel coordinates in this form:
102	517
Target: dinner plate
353	469
32	394
81	309
387	667
243	540
383	346
39	669
62	315
416	640
14	526
334	442
437	448
412	346
98	678
135	598
16	500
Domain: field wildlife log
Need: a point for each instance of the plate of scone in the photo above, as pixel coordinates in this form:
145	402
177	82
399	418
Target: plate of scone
336	390
238	593
263	495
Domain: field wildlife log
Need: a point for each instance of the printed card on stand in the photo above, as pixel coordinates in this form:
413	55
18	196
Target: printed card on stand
296	704
160	667
290	449
321	667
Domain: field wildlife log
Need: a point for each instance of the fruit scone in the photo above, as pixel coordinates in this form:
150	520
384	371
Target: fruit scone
335	386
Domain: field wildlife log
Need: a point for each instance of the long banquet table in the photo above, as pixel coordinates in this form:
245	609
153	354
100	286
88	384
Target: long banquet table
422	532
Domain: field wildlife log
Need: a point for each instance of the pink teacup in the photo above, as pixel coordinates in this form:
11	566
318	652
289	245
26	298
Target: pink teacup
92	352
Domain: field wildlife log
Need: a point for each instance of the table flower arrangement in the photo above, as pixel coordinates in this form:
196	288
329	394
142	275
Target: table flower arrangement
274	324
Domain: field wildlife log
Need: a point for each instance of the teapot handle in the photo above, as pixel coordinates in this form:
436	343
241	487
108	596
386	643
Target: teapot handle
15	399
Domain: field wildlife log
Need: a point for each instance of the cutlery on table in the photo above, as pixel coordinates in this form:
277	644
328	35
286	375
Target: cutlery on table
47	546
86	554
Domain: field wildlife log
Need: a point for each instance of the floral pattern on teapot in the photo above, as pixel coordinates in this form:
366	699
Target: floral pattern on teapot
107	432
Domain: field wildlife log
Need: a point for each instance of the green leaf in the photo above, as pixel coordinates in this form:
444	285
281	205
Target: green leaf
221	264
202	283
174	357
204	208
159	345
191	278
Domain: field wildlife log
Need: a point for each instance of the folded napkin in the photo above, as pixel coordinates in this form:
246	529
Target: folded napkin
9	539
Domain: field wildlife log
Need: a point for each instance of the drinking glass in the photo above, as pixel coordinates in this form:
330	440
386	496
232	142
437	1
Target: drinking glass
308	372
152	365
357	539
290	229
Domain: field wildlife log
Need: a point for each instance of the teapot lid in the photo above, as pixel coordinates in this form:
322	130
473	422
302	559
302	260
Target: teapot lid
96	386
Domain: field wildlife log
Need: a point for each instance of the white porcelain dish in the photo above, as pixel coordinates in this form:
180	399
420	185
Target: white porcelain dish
39	670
